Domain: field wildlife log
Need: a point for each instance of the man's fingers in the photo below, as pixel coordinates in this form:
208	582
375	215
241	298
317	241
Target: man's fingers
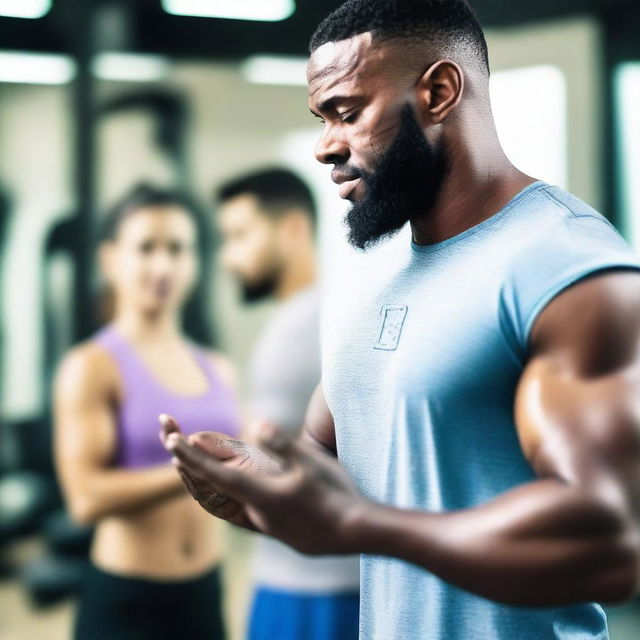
286	447
186	480
218	445
168	425
238	484
277	443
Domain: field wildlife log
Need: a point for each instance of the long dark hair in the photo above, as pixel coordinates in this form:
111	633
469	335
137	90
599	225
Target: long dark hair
145	195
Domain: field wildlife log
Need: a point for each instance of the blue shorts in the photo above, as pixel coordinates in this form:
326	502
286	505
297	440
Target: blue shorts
285	615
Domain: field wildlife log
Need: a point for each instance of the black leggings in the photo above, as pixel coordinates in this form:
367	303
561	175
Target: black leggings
114	607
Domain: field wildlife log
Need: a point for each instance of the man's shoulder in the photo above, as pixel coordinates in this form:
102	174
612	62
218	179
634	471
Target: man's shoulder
299	309
567	243
560	227
295	319
568	204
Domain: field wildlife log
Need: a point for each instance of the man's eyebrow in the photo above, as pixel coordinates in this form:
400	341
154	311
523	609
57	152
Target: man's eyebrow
330	103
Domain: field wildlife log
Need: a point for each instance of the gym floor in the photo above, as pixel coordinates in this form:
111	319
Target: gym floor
20	621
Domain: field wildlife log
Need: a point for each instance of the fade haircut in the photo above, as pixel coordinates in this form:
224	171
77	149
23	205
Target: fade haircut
448	25
277	190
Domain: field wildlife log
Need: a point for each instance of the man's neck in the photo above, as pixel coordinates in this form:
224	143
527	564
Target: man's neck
300	273
481	181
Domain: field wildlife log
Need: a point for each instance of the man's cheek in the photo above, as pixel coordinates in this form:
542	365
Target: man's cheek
375	139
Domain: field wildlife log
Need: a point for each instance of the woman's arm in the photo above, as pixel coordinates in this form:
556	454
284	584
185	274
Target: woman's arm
86	390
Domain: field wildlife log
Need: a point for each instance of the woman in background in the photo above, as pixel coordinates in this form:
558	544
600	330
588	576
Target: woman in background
155	552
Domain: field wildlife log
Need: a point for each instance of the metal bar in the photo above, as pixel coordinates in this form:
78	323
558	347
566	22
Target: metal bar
83	34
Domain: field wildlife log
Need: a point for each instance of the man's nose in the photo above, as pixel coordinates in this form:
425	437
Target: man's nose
331	149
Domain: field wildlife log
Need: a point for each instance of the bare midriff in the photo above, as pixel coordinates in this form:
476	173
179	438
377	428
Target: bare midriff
175	540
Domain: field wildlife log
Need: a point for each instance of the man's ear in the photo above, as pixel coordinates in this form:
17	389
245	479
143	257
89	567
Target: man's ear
295	224
439	91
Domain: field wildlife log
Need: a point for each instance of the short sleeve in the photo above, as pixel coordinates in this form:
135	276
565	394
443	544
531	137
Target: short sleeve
554	260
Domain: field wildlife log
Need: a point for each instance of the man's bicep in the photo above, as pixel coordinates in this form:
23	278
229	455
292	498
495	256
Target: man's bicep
576	407
318	424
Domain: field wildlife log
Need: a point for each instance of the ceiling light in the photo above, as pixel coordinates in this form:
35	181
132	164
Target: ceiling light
35	68
24	8
129	67
281	70
262	10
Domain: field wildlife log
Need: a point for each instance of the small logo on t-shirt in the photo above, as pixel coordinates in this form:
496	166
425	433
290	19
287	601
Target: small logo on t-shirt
391	327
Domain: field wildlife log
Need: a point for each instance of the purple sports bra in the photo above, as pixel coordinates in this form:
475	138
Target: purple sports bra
145	398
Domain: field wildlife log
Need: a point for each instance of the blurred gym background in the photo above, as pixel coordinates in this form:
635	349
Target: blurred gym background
96	95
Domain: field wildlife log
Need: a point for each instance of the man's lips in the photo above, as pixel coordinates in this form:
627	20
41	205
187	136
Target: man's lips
347	181
347	187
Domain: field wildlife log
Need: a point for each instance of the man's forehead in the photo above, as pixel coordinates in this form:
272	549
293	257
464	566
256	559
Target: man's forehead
335	62
240	206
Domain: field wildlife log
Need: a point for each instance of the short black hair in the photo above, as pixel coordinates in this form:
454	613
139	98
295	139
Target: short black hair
276	189
142	196
446	21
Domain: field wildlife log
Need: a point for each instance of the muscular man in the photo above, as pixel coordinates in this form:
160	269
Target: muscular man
481	391
266	220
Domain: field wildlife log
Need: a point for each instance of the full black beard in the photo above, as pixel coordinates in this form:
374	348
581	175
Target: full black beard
257	291
403	186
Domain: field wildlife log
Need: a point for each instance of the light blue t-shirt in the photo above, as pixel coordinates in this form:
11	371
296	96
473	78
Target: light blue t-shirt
421	360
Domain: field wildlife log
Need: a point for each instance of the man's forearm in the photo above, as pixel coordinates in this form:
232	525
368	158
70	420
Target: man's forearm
543	544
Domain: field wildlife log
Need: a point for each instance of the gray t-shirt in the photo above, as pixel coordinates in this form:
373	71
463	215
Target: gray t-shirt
285	370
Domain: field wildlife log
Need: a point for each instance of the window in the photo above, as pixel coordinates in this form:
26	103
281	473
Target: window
627	96
530	106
